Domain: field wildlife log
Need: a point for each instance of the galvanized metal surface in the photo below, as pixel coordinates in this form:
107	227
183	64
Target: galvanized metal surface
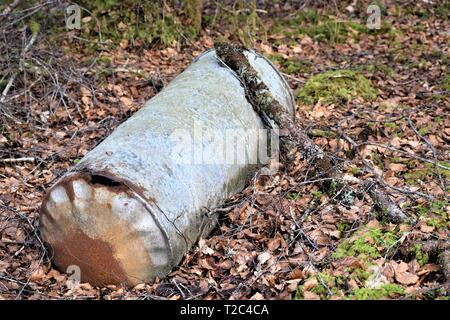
129	211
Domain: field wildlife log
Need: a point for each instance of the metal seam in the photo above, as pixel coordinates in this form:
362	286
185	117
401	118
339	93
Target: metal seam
158	223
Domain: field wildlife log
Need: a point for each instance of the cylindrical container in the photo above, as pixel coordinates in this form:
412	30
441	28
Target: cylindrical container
135	204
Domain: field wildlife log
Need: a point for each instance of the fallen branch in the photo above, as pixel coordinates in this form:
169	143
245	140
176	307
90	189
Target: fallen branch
267	106
405	153
431	147
386	206
21	63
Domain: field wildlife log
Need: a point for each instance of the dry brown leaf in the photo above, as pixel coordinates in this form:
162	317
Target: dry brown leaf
257	296
264	257
310	283
297	273
402	275
425	228
308	295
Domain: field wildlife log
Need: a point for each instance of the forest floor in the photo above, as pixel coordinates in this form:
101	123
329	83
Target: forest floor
283	237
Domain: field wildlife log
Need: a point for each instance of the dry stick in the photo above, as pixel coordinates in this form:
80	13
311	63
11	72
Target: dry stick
16	160
376	190
432	148
10	7
383	202
265	105
379	178
407	154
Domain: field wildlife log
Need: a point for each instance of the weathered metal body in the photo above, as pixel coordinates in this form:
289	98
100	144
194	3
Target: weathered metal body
130	209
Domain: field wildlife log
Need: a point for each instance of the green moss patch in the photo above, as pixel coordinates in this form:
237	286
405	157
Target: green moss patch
434	214
446	83
336	86
370	243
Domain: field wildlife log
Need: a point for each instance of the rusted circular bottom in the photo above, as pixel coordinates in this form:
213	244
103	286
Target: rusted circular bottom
99	226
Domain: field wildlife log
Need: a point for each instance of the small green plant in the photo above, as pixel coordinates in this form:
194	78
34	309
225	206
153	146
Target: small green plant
396	160
355	171
244	21
333	31
293	195
423	131
317	194
323	133
343	226
443	10
445	84
298	293
434	214
421	256
323	279
322	27
335	86
378	67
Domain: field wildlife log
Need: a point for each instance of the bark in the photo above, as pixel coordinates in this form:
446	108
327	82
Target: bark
384	203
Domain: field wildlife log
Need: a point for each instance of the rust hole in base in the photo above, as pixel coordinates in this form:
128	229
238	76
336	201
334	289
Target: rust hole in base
97	179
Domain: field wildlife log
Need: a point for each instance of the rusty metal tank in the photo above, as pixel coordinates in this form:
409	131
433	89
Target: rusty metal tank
133	206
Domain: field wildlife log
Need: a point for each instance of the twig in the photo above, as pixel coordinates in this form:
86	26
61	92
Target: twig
293	78
379	179
15	160
10	7
381	199
369	143
266	105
